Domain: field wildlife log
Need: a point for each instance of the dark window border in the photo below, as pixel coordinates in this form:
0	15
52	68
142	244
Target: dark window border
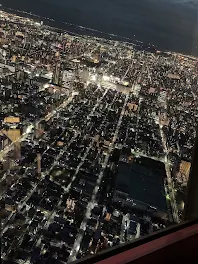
187	228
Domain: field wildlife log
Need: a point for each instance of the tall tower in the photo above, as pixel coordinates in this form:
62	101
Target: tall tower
57	74
39	164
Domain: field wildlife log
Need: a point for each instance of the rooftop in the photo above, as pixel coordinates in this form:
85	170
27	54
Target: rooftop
143	180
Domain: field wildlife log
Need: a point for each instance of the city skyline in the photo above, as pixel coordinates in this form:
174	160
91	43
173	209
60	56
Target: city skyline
96	140
169	25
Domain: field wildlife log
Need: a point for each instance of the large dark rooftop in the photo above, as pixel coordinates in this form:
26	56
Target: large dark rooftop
143	180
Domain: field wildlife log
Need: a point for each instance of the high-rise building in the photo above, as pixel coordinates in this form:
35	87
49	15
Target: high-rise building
39	164
39	129
57	75
12	135
184	171
191	205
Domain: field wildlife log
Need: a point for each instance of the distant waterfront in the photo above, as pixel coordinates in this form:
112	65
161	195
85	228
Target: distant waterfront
169	25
